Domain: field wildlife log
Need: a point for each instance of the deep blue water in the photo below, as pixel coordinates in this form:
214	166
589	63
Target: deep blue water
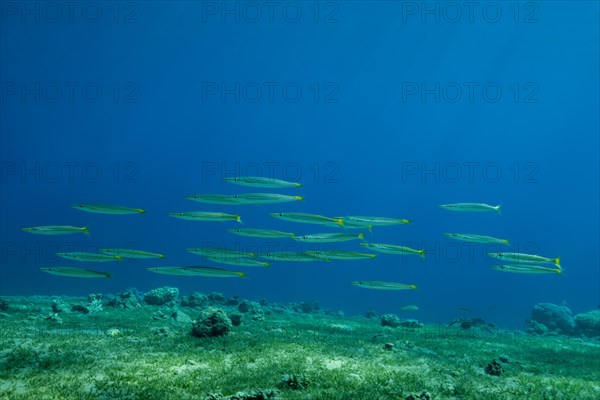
371	110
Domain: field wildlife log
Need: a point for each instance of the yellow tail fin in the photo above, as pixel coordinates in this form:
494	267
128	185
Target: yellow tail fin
239	219
340	222
361	236
405	221
86	230
242	274
557	262
141	211
161	256
422	253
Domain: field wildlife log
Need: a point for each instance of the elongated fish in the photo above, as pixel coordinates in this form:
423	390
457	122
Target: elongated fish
377	285
288	256
470	207
56	230
393	249
244	262
265	198
525	258
198	271
262	182
340	255
261	233
373	221
130	253
75	272
308	218
85	256
472	238
206	216
218	251
527	269
329	237
214	198
410	308
107	209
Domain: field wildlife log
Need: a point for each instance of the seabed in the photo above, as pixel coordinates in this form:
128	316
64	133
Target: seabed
291	351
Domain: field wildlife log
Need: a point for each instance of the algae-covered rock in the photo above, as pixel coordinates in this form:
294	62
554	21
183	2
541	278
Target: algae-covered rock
236	319
211	322
390	320
254	395
494	368
421	396
535	328
294	381
309	307
216	298
80	308
58	306
3	305
557	319
588	323
196	299
411	323
250	307
126	300
161	296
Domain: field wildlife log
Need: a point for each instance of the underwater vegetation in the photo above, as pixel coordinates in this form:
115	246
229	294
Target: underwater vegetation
160	345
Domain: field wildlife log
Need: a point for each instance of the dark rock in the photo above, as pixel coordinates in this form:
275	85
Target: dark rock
494	368
588	324
236	319
80	308
310	307
294	381
196	299
263	302
250	307
216	298
535	328
411	323
254	395
233	301
126	300
58	306
557	319
422	396
388	346
161	296
371	314
390	320
95	297
211	322
3	305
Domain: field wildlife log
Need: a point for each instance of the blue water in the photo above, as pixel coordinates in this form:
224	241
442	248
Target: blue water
385	125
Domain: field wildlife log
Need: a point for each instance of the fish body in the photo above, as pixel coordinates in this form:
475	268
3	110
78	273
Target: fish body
262	182
471	207
329	237
206	216
525	258
377	285
107	209
340	255
261	233
245	262
308	218
288	256
75	272
214	198
197	271
85	256
471	238
131	253
527	269
56	230
265	198
410	308
219	252
373	221
393	249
